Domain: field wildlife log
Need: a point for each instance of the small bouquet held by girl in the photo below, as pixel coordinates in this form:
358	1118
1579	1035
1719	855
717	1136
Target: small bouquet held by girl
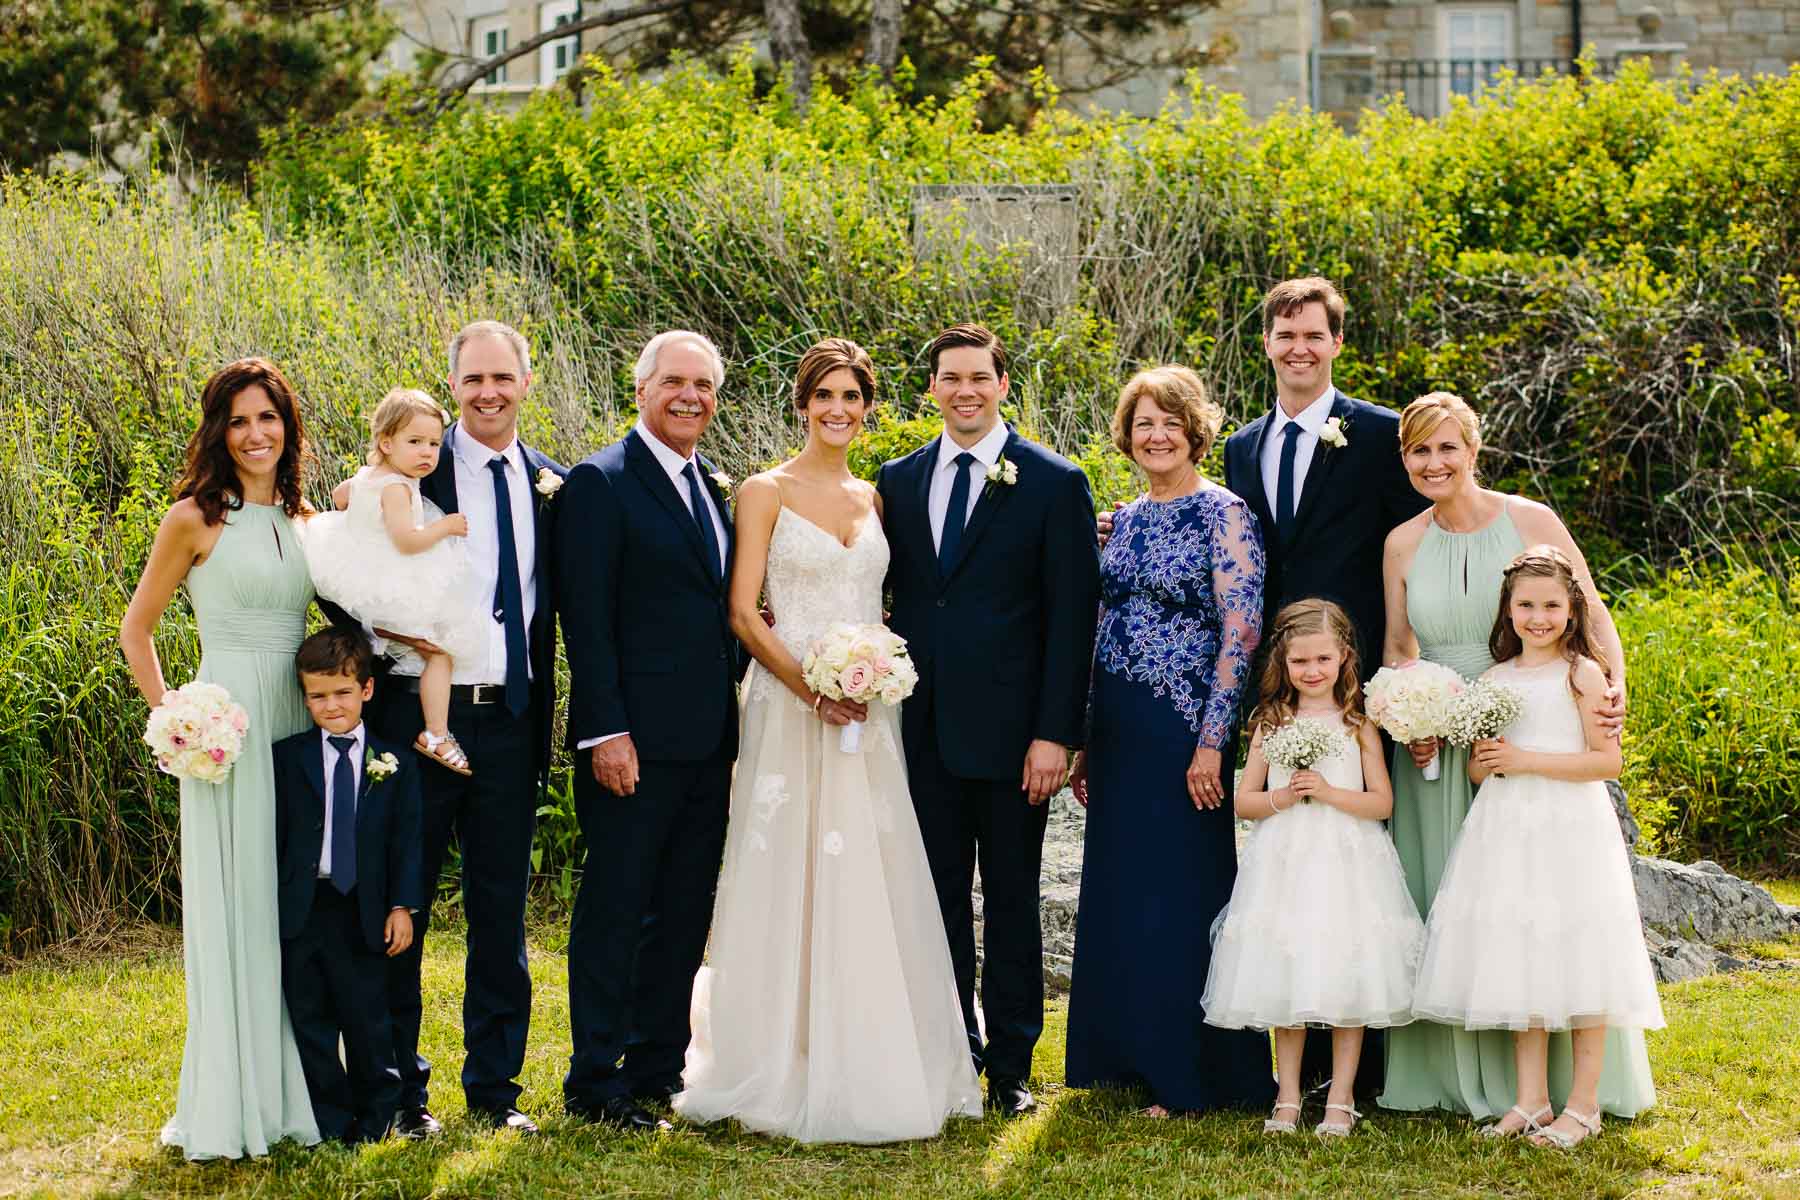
396	565
863	664
197	732
1414	704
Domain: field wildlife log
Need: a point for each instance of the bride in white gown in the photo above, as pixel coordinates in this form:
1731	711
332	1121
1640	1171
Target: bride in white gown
827	1010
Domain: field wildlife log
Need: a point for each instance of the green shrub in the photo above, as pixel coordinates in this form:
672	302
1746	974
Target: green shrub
1714	728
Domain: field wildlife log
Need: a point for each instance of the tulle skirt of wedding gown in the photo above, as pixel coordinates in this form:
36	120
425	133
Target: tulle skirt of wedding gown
827	1011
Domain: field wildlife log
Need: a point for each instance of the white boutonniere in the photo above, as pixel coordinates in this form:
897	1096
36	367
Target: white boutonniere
722	481
1332	433
1003	472
379	768
548	482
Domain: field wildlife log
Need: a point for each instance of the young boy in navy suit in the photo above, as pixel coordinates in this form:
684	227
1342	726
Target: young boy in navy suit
347	849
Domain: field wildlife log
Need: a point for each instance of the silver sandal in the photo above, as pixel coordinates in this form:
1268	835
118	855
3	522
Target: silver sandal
1568	1141
1277	1125
1534	1123
1324	1130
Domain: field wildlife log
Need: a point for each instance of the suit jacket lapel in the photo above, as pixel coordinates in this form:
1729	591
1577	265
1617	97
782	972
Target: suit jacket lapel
993	495
724	505
1324	461
1254	492
439	487
922	526
654	478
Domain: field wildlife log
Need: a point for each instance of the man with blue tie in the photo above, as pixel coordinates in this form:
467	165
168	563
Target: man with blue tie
1324	476
500	712
347	849
643	553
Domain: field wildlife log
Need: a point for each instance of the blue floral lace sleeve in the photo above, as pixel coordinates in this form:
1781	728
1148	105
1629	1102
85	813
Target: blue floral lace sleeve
1181	605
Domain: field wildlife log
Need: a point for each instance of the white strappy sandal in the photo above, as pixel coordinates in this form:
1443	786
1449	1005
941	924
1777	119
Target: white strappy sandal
1276	1125
1534	1123
1568	1141
1324	1130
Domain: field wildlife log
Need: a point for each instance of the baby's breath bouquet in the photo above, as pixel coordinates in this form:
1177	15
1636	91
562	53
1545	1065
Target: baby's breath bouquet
1413	702
864	663
1301	743
197	732
1483	710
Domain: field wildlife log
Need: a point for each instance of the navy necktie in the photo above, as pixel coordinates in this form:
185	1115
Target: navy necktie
343	816
956	514
509	599
1284	481
703	518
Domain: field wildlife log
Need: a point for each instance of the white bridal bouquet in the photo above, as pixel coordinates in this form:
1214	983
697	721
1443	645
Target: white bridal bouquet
1413	703
197	732
863	663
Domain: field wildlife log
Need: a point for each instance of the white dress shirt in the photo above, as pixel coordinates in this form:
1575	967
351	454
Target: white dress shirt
987	452
673	464
475	500
356	770
1311	420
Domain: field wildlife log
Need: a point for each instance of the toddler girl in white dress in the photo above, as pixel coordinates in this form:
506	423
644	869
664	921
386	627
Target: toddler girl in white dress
1535	926
1320	930
395	567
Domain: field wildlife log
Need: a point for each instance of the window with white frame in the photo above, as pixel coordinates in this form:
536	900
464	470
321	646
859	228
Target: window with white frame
556	59
491	36
1475	41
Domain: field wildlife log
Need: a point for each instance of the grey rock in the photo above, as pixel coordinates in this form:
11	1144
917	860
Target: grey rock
1676	961
1622	809
1703	902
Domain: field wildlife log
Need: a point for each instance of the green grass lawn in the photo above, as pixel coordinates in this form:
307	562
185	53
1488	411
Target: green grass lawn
90	1049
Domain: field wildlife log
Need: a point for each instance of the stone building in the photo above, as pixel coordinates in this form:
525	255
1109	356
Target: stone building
1333	56
1340	57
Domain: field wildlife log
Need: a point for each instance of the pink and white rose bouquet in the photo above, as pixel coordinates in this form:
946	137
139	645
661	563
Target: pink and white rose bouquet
861	663
1413	703
197	732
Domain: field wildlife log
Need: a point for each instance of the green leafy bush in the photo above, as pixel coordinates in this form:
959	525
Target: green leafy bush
1714	730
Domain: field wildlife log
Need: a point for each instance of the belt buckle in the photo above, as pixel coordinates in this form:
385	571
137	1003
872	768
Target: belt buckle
486	693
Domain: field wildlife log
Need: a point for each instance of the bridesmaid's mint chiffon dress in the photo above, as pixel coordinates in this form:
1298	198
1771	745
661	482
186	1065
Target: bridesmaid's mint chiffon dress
241	1085
1452	597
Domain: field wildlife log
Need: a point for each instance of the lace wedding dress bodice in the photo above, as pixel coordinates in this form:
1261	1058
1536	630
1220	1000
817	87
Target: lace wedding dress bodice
814	581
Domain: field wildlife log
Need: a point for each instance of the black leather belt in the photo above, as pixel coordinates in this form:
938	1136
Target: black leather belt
465	693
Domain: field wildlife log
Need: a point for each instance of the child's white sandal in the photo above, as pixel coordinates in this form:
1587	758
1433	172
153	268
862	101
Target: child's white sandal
1534	1123
1324	1130
1568	1141
1276	1125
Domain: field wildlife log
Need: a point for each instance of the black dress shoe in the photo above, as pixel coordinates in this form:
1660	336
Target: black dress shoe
657	1094
416	1123
1009	1097
506	1118
622	1112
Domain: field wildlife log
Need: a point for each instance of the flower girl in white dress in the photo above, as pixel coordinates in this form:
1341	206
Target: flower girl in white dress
1320	930
1535	926
393	566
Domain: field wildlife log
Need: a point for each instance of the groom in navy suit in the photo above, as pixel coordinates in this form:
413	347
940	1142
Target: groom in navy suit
1324	476
643	555
995	582
500	712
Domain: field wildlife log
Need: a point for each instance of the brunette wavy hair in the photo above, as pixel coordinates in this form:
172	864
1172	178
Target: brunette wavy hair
1547	562
822	358
209	475
1278	699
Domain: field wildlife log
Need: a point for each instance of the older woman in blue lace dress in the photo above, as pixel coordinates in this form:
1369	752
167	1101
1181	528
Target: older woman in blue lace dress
1181	612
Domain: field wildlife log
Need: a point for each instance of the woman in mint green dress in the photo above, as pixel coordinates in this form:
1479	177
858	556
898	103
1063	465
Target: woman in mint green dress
1442	573
230	537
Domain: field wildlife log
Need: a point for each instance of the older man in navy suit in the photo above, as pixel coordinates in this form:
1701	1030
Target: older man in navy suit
643	556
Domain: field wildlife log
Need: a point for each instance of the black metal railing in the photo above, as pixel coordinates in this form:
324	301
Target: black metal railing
1429	83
